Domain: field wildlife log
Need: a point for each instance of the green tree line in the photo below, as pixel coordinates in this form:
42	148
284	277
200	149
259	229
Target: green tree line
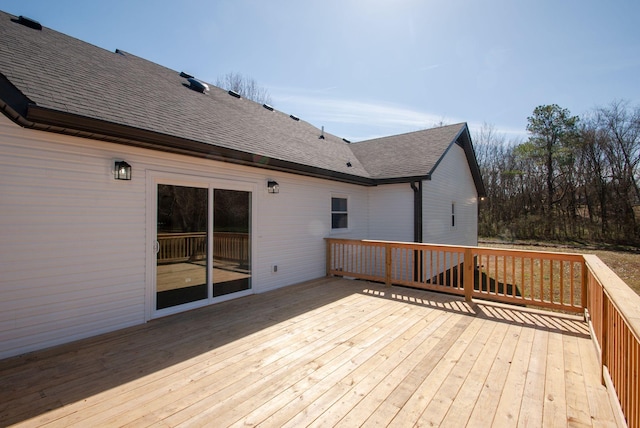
573	179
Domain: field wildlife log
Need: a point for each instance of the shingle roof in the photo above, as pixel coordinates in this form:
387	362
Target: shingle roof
406	155
51	79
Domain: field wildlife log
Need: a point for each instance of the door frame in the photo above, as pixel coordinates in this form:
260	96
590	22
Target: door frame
193	180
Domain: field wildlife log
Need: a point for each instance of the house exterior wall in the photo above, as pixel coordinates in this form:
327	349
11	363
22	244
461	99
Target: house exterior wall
75	247
451	183
76	254
72	249
391	212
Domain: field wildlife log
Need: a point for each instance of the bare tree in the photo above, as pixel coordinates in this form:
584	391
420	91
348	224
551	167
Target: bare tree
574	178
245	86
622	126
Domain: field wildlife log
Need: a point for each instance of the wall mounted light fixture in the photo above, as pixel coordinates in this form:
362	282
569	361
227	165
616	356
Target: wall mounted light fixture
273	187
122	171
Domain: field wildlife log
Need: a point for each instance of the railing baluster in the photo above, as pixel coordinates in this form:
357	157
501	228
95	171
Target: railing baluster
571	284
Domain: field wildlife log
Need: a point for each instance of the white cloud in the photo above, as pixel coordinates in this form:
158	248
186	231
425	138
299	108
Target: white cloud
360	120
317	107
429	67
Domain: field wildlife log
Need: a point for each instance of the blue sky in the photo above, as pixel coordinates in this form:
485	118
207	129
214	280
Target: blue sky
369	68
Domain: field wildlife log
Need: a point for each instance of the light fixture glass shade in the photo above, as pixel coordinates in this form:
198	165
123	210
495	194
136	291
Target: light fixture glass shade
273	187
122	171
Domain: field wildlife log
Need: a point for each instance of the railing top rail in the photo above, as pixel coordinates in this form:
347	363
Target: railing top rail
399	243
477	250
529	253
180	234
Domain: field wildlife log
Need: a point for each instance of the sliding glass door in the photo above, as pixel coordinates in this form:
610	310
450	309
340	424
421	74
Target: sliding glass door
231	270
181	271
203	244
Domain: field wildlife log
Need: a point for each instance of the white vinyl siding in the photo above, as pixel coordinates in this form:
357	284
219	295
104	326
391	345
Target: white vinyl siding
450	189
293	224
391	212
72	249
75	248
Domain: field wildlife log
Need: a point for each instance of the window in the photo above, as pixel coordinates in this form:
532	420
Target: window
339	213
453	214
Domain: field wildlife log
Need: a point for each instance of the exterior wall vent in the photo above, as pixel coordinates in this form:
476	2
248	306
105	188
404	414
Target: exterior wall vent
234	94
28	22
197	85
296	118
268	107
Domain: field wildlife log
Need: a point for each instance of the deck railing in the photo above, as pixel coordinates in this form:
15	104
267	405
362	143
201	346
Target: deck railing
613	312
182	247
549	280
559	281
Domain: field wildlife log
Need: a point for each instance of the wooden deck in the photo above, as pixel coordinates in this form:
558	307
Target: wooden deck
324	353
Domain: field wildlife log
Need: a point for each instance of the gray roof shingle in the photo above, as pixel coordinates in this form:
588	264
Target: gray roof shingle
405	155
57	76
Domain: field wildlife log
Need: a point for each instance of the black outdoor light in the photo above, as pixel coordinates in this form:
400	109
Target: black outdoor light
122	171
273	187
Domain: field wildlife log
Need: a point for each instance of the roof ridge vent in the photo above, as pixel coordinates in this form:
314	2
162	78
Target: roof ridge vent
296	118
119	52
234	94
28	22
267	106
346	141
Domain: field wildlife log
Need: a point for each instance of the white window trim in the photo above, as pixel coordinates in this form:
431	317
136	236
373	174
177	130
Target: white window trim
331	212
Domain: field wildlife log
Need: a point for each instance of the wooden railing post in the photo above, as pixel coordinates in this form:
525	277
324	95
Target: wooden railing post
585	288
604	340
328	256
468	279
387	265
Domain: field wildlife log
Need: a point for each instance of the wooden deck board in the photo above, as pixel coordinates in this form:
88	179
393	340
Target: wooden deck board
494	385
327	370
330	352
511	399
530	414
555	401
416	404
470	382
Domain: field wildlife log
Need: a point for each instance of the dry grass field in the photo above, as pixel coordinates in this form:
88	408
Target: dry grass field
625	263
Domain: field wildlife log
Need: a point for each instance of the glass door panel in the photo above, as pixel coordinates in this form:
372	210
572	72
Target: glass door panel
181	264
231	241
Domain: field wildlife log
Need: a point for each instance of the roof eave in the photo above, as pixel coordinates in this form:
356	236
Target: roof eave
71	124
14	104
472	160
398	180
469	152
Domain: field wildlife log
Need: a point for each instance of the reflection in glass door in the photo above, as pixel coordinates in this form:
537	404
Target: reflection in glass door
203	244
231	241
181	266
